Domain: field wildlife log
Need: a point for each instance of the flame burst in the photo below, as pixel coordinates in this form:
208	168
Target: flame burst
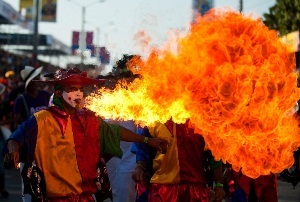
235	81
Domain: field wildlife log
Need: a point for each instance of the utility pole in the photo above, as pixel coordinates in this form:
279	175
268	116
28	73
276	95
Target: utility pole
241	6
82	38
36	31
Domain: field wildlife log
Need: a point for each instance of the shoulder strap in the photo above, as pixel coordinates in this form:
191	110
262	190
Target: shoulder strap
25	105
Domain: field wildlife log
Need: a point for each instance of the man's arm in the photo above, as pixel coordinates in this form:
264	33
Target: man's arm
218	178
12	159
111	134
26	132
157	143
144	157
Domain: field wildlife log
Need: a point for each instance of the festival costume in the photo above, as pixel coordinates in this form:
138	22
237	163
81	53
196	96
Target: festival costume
66	149
61	152
178	174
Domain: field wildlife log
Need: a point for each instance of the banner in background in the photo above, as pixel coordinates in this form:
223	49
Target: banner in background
48	9
26	8
104	55
89	36
75	42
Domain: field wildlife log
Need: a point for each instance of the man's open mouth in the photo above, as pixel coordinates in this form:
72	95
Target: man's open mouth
77	101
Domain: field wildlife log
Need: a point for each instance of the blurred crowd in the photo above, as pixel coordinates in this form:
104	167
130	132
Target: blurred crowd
11	65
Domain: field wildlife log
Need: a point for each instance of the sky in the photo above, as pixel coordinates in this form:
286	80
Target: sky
115	23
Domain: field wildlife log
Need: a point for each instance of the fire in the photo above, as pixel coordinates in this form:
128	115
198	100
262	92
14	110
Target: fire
233	78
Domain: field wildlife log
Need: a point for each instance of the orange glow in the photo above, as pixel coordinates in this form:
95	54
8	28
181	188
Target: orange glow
233	78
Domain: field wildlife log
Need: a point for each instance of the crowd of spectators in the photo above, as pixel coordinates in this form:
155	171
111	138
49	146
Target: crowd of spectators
11	65
16	62
12	85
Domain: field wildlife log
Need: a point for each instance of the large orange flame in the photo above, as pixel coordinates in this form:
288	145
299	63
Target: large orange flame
236	82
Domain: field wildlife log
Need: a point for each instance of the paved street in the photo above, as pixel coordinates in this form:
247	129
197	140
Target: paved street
13	184
287	193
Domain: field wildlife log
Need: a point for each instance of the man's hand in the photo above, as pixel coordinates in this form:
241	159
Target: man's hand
11	159
139	171
160	144
138	174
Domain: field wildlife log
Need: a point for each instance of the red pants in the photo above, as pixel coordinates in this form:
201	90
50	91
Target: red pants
178	193
265	186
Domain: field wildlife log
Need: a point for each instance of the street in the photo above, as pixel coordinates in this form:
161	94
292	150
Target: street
13	186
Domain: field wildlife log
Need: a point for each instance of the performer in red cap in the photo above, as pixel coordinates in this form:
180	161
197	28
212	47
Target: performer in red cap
62	144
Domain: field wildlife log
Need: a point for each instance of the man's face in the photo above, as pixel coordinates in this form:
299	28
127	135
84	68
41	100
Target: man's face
33	86
73	95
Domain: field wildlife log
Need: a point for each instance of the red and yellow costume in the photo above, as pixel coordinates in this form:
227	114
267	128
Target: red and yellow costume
178	174
66	148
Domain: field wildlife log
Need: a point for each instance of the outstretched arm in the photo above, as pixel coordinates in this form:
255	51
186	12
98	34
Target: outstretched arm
111	134
157	143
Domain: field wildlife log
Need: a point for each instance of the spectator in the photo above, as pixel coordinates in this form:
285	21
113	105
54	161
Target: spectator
32	99
3	117
120	170
29	102
5	113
